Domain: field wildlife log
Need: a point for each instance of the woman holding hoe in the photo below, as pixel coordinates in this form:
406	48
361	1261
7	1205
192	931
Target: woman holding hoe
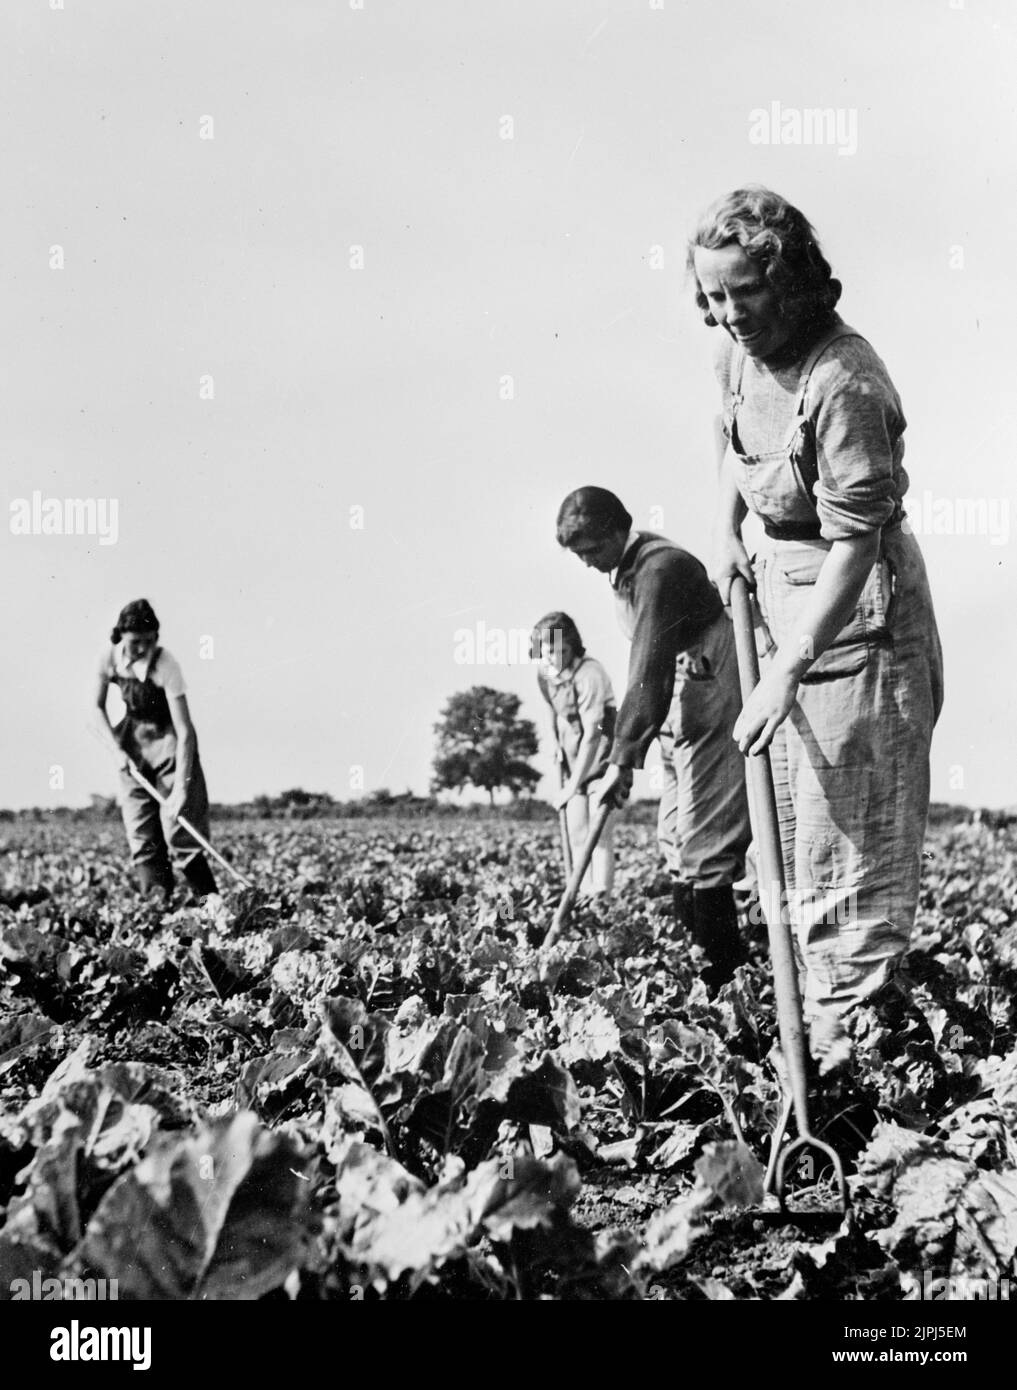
578	692
852	685
157	736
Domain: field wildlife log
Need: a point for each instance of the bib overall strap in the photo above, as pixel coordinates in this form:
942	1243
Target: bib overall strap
573	715
736	394
841	331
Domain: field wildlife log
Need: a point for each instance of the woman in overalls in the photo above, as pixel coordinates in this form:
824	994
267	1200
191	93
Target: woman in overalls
852	683
158	737
578	692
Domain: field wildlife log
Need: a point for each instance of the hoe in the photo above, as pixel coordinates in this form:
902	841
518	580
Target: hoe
194	834
773	899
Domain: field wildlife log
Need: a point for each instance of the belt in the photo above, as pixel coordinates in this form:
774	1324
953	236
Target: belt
807	532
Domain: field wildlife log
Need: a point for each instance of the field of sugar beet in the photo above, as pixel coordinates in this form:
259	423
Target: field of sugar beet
356	1082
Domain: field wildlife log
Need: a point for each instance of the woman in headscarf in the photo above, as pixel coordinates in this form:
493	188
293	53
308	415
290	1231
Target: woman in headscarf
852	685
157	736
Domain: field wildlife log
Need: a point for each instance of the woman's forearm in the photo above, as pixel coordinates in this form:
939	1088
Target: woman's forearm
104	724
841	580
108	732
185	761
731	508
729	555
586	756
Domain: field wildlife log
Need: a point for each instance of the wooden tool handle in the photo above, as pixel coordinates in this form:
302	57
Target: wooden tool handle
194	834
773	894
578	872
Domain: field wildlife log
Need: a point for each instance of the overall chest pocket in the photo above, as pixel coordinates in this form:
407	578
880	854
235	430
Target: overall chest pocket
773	485
792	578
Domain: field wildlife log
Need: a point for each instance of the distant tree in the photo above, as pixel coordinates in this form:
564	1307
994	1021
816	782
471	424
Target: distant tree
297	804
296	796
482	742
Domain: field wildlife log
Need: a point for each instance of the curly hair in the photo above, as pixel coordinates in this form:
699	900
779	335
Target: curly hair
560	628
591	511
138	616
772	232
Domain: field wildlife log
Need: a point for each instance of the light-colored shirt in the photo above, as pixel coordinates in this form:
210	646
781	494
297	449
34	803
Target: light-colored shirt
856	419
591	681
583	688
166	672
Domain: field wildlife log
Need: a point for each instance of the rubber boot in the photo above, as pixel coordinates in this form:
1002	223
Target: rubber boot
716	930
199	878
155	879
684	906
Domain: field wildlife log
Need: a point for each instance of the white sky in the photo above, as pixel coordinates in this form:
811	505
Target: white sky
483	257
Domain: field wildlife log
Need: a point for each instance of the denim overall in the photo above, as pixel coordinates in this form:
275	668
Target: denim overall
703	819
851	761
147	736
569	724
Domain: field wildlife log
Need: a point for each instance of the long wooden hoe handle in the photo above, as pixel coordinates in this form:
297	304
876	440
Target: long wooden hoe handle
578	871
773	895
563	826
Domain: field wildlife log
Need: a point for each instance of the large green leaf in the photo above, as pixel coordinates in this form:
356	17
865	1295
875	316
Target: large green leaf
426	1228
732	1172
949	1214
544	1095
218	1215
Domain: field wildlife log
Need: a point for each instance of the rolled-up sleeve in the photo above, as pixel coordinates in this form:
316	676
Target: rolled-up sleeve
858	426
593	695
168	674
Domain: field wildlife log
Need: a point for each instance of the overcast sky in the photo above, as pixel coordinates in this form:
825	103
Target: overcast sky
431	265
